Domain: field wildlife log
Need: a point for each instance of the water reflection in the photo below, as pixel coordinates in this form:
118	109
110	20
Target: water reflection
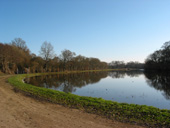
69	82
121	86
122	74
160	81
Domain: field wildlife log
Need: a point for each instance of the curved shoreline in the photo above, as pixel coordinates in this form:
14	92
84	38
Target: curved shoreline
140	114
20	111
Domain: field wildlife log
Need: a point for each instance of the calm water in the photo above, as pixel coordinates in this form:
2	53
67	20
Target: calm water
126	87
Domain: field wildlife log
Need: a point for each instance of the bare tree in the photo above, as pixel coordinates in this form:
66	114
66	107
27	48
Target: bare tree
46	51
67	55
20	43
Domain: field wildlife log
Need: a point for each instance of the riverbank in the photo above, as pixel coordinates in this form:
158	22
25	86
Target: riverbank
20	111
140	114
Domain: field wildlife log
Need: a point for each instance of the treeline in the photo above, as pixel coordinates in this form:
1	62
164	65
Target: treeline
160	59
15	57
128	65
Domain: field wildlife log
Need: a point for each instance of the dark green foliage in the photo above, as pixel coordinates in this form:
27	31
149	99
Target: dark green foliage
160	59
141	114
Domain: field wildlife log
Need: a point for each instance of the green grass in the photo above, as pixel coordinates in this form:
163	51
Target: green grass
140	114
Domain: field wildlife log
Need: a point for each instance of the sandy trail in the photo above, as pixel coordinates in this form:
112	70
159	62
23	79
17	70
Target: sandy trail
19	111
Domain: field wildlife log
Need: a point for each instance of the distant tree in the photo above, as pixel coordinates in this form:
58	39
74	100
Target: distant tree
66	56
15	57
103	65
160	59
20	43
122	64
79	62
117	64
54	64
5	57
47	53
135	65
165	54
94	63
37	64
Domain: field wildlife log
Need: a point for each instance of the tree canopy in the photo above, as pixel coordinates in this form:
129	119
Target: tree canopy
46	51
160	59
15	57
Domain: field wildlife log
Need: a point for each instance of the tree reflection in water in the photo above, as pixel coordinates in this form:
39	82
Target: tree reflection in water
69	82
122	74
160	81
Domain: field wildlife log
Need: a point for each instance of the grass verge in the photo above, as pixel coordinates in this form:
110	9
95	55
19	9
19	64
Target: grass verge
140	114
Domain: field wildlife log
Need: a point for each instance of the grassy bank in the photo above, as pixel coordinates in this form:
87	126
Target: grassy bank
140	114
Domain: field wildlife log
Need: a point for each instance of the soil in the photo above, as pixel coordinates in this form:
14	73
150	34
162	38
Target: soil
20	111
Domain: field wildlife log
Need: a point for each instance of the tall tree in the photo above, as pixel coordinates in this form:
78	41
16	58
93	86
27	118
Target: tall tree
20	43
160	59
66	56
12	59
47	53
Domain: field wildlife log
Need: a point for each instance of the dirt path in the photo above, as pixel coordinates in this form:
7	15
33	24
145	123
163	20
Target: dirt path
19	111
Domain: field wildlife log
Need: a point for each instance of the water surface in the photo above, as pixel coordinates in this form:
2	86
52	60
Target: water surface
126	87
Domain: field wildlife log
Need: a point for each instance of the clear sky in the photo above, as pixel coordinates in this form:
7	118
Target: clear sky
107	29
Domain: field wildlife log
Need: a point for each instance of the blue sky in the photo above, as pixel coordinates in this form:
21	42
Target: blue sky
107	29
